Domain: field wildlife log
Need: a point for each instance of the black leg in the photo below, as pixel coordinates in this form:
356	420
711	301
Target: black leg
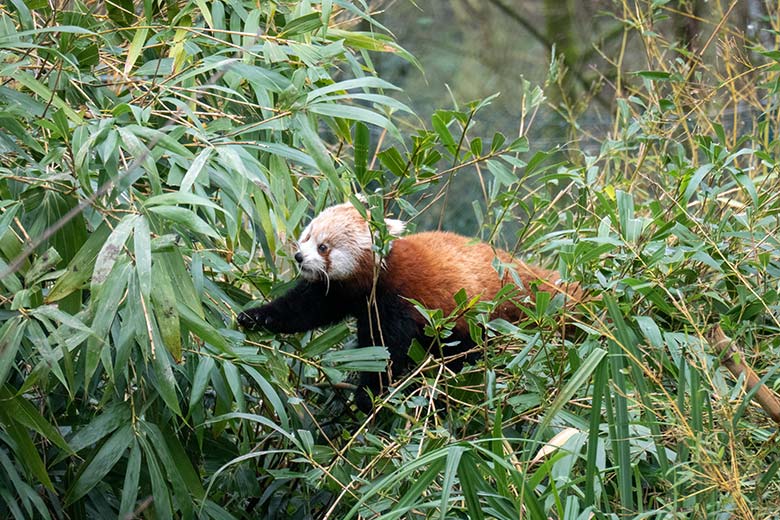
306	306
391	323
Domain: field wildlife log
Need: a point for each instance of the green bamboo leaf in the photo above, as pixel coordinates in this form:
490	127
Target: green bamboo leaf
440	122
46	95
592	467
201	328
136	46
366	359
181	278
620	427
26	495
201	379
387	103
233	379
204	9
186	218
650	331
285	152
355	114
372	41
25	413
10	339
171	465
130	486
164	308
434	460
166	383
303	24
327	340
41	266
361	142
693	183
104	460
81	267
254	418
270	395
195	169
361	83
111	418
747	183
162	499
420	483
187	472
105	305
25	17
454	454
158	138
315	148
54	314
49	358
9	214
138	151
111	250
175	198
142	249
577	380
472	484
23	448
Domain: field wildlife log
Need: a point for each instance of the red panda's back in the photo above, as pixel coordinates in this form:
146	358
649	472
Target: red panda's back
431	267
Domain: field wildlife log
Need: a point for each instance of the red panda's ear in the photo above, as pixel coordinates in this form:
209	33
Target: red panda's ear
395	227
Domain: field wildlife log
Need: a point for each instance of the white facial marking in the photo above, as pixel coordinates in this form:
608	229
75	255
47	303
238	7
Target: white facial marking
347	239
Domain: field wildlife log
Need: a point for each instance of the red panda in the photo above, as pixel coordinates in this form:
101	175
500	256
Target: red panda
340	277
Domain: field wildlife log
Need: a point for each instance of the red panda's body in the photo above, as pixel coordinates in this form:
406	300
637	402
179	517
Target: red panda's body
430	267
341	278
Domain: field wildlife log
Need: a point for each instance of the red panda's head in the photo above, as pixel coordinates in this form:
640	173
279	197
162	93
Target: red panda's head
336	245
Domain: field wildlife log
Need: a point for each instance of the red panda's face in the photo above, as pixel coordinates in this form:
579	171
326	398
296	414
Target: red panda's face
336	244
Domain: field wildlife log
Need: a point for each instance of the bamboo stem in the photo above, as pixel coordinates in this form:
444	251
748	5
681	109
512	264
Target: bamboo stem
725	348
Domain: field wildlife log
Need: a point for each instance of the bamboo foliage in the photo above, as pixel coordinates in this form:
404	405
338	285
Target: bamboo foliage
158	158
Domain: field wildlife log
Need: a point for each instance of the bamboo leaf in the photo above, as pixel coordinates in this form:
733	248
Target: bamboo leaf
10	339
25	413
361	142
454	454
201	328
105	305
172	199
201	380
46	95
317	150
80	268
111	418
162	499
136	46
130	486
186	218
111	250
166	383
164	301
142	249
24	449
195	169
104	460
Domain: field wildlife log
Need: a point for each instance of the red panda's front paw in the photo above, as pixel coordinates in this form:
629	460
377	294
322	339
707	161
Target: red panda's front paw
254	319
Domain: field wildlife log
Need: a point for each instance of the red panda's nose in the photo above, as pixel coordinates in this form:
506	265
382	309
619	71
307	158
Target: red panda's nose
299	257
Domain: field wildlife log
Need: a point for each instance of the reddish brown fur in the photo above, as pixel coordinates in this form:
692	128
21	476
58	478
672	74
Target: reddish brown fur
431	267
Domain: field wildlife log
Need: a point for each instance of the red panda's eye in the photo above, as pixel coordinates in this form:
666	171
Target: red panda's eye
322	248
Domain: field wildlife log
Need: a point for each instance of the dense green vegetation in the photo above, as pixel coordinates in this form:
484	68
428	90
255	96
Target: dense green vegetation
158	160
